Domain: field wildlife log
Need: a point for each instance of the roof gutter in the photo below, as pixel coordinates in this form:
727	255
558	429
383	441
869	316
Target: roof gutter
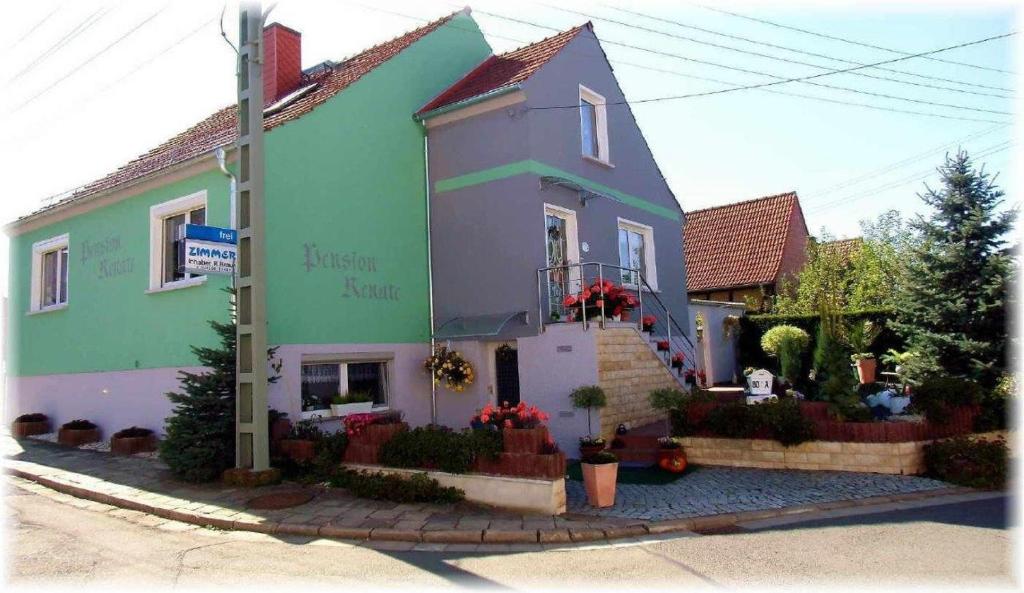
467	102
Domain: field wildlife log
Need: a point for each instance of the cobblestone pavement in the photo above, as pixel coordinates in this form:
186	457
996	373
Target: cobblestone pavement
701	500
718	490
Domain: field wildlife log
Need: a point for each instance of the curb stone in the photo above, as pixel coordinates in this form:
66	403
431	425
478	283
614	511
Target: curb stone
492	537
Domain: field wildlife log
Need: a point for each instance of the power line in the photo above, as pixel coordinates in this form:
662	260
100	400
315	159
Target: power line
794	79
845	40
907	161
34	27
77	30
691	76
88	60
918	176
818	55
756	72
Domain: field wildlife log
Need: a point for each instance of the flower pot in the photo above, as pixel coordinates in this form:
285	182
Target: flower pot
599	482
356	408
75	437
133	445
524	440
866	370
20	430
298	449
314	414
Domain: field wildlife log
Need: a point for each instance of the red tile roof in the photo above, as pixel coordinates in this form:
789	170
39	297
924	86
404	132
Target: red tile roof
509	68
220	129
739	244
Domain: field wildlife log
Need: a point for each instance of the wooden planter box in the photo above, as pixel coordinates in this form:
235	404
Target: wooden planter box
365	447
76	437
298	449
133	445
524	440
523	465
21	430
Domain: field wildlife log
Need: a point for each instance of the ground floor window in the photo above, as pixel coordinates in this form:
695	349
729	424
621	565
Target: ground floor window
321	381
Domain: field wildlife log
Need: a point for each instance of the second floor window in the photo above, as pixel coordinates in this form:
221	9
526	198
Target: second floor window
593	125
174	243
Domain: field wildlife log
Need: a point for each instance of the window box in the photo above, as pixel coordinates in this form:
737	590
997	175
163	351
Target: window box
524	440
356	408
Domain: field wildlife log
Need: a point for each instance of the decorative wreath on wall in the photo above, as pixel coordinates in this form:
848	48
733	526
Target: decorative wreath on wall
448	368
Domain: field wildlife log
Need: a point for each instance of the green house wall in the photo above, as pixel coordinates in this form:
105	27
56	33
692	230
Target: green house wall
346	236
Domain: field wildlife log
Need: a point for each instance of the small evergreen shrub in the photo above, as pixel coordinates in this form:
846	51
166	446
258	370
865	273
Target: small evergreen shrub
439	447
772	340
395	488
975	463
937	396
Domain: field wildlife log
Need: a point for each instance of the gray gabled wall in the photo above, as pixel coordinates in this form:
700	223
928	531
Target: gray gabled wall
488	237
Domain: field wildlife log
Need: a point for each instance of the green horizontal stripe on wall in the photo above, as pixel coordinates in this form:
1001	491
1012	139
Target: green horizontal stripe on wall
537	168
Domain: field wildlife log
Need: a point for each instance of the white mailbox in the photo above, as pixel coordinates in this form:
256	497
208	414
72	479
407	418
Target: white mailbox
759	387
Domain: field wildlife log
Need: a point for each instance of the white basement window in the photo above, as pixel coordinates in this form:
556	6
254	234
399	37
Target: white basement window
50	274
321	381
593	125
167	240
636	252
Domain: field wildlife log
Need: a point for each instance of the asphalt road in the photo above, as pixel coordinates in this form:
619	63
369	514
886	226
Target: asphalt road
961	544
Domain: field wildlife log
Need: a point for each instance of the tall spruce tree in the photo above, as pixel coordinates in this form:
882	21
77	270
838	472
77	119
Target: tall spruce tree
952	311
200	441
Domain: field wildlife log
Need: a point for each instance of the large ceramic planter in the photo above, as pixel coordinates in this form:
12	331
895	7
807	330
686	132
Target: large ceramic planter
298	449
524	440
133	445
346	409
75	437
599	482
21	430
866	370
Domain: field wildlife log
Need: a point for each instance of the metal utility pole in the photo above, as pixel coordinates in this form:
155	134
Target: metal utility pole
252	449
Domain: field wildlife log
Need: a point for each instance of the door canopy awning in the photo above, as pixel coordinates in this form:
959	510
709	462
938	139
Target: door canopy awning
477	326
584	193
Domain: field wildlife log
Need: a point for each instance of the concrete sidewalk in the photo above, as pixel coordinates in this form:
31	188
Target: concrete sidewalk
146	485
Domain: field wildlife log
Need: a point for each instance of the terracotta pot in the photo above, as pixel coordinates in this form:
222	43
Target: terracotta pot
75	437
133	445
524	440
866	370
599	482
20	430
298	449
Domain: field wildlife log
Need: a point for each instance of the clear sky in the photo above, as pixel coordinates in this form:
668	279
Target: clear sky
86	86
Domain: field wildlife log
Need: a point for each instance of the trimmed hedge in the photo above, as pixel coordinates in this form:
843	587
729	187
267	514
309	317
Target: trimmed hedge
752	327
975	463
395	488
439	447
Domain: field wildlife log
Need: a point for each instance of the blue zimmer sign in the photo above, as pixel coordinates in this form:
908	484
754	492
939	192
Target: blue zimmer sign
210	250
211	234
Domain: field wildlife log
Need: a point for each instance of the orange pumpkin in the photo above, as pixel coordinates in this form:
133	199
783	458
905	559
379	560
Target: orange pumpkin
674	463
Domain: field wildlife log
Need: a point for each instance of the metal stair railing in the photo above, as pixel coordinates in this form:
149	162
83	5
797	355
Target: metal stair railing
557	282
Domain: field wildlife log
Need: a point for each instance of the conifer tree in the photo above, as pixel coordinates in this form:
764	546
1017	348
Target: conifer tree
952	312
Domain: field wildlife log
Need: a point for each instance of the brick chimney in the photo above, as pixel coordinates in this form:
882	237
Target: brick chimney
282	61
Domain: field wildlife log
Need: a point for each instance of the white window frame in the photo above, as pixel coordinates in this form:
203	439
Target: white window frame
650	270
343	361
39	249
157	214
601	117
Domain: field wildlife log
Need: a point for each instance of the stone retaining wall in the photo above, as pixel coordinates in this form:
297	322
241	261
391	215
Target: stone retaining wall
881	458
628	370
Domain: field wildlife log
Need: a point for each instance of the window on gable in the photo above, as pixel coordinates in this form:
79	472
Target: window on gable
593	125
50	273
636	253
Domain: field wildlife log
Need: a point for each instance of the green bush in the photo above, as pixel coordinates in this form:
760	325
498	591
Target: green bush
789	360
395	488
781	420
667	398
772	340
975	463
679	417
439	447
996	405
937	396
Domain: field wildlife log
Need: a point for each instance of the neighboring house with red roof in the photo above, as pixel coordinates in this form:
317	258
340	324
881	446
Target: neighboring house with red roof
424	191
741	252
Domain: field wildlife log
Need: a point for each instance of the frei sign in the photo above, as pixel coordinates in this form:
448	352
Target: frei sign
210	250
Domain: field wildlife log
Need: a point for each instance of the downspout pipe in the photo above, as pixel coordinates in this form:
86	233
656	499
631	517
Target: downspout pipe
430	268
222	162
